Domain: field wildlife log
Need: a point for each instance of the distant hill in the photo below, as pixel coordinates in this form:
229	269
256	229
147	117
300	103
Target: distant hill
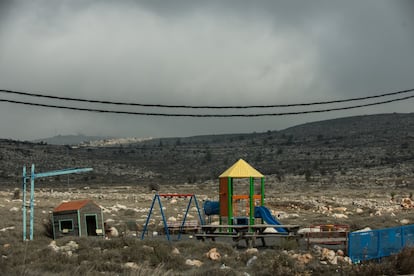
383	143
69	139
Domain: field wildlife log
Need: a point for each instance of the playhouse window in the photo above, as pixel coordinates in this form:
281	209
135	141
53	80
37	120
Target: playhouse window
66	225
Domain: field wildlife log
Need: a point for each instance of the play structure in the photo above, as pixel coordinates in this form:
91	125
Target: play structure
241	209
245	217
168	227
241	216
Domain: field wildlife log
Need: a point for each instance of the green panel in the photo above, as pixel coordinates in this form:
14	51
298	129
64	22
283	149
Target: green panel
230	201
262	191
251	201
79	224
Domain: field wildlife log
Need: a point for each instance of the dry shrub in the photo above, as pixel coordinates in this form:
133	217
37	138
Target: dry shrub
405	261
16	193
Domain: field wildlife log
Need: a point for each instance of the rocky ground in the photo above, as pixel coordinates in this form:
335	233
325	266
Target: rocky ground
383	202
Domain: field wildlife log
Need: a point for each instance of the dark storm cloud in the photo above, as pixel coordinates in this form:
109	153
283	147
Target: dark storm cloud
199	52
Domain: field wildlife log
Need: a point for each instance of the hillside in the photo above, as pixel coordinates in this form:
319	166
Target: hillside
384	143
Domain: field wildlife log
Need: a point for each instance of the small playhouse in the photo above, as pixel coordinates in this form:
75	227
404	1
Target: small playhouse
77	218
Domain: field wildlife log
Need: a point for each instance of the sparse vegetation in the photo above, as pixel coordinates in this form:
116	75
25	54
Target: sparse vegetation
308	175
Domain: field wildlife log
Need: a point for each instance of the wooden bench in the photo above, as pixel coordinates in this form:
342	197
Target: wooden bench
191	226
328	235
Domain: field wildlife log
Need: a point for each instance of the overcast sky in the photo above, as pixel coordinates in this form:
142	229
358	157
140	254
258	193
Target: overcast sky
198	53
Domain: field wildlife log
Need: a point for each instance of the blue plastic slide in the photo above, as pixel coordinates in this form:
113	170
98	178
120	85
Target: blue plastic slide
264	213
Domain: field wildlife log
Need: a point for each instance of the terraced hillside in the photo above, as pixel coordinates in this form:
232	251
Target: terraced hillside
383	143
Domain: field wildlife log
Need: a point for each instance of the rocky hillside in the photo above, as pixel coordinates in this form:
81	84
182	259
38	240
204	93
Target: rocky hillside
332	147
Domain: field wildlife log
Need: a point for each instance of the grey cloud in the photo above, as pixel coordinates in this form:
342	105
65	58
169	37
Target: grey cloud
199	52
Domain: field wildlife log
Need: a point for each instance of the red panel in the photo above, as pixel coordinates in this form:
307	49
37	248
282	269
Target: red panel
224	197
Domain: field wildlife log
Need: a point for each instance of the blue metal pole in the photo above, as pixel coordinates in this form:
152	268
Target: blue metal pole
148	218
185	217
32	201
24	203
198	210
167	231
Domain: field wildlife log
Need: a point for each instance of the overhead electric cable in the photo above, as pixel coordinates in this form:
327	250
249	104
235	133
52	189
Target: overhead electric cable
205	115
203	106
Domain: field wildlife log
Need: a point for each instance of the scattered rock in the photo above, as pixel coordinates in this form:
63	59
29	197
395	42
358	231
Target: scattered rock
404	221
251	261
131	265
224	266
303	258
213	254
339	216
52	245
175	251
252	251
329	255
407	203
317	250
359	211
113	232
7	228
196	263
340	209
148	248
14	209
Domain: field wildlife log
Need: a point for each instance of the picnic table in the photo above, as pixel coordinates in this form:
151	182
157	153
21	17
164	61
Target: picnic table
249	233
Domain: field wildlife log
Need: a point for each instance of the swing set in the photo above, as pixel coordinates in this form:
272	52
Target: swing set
183	226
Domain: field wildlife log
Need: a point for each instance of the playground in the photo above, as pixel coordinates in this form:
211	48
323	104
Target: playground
244	217
190	217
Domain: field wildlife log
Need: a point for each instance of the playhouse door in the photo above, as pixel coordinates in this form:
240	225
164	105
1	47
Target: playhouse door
91	225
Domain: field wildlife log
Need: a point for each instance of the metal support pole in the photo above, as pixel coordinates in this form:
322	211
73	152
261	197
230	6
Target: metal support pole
185	218
167	231
230	201
148	218
32	202
24	203
262	192
251	201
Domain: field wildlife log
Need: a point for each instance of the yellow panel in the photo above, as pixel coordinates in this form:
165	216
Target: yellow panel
241	169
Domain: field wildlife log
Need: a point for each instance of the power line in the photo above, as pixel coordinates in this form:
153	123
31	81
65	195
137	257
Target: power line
203	106
206	115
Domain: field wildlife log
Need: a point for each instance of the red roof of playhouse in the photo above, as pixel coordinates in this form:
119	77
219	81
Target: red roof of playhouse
72	205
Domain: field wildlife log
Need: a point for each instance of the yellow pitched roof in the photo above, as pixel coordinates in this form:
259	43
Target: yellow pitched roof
241	169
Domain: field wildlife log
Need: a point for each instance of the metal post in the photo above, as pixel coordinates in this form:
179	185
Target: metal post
24	203
198	210
230	201
262	192
148	218
167	231
32	201
185	218
251	201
